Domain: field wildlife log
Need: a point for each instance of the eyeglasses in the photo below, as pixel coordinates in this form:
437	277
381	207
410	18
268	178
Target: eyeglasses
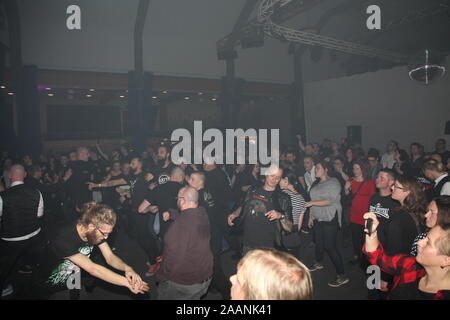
104	234
397	187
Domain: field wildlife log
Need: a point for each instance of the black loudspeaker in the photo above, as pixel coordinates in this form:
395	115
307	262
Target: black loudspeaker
252	37
447	128
227	54
354	135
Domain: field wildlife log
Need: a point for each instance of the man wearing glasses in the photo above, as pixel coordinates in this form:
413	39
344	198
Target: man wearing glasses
187	268
58	275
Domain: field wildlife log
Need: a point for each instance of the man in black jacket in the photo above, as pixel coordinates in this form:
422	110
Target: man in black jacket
261	209
20	210
206	200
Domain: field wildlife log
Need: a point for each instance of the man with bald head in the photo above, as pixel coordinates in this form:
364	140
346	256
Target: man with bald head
20	210
187	268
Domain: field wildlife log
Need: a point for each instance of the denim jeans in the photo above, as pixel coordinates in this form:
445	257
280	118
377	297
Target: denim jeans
169	290
325	236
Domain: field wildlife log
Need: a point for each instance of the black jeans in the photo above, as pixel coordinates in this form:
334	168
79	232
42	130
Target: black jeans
325	236
145	237
357	238
12	254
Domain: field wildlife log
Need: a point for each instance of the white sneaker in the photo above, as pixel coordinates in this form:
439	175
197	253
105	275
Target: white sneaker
7	291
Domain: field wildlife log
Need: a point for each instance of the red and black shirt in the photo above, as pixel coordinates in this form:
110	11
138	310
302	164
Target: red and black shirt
407	274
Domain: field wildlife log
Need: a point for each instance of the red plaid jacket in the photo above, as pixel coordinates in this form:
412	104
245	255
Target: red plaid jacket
404	268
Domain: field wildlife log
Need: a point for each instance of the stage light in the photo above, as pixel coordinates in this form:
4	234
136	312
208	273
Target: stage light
91	90
155	97
48	89
10	93
426	67
122	96
2	87
88	96
51	94
186	98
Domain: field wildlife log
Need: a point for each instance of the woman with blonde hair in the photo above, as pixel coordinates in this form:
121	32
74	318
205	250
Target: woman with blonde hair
268	274
435	171
425	277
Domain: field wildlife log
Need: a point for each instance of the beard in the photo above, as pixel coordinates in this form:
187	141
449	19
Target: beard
161	162
92	238
133	170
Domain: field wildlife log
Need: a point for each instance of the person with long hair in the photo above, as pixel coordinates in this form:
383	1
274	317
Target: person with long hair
325	218
435	171
290	185
405	221
425	277
438	213
402	163
362	188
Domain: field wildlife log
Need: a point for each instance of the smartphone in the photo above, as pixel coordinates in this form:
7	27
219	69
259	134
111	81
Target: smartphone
369	226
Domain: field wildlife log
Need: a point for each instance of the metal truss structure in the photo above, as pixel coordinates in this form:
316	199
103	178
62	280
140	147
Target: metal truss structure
267	10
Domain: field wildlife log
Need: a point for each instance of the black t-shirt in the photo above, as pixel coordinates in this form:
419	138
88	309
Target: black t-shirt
98	167
258	230
164	196
411	291
54	268
401	232
382	207
110	196
138	189
162	175
206	200
217	183
77	189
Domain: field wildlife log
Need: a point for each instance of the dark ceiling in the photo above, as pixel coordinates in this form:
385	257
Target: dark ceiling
407	27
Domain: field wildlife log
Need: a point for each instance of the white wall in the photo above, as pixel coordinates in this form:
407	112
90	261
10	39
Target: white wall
179	38
387	104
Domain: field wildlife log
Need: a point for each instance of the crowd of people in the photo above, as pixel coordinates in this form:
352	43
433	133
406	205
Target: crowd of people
56	208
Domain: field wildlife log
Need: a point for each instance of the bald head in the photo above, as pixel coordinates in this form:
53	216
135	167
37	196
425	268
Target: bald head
197	180
17	173
177	174
83	154
187	198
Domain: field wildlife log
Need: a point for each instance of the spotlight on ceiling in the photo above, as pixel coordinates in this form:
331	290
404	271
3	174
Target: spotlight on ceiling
426	67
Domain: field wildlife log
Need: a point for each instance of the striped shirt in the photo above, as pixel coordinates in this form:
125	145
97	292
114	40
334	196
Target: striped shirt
298	205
